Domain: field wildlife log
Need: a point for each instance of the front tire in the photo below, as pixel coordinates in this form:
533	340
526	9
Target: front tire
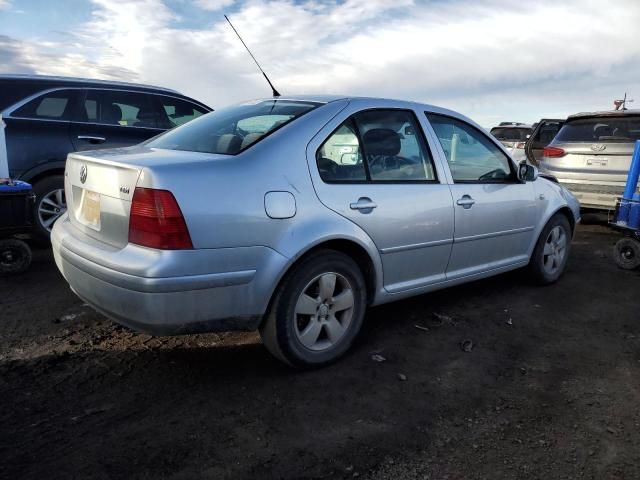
50	204
317	312
551	253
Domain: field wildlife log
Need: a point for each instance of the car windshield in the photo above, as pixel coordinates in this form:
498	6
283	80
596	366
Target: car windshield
233	129
511	134
598	129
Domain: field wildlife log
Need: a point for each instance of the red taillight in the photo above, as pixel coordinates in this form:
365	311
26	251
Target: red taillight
553	152
156	221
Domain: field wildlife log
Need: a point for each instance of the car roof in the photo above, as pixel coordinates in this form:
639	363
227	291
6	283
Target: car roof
605	113
83	81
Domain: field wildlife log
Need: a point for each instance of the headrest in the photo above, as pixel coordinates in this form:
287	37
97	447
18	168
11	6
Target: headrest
249	139
382	141
112	114
229	143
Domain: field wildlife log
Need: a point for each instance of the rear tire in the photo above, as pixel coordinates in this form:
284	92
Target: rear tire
551	252
317	311
50	204
626	253
15	256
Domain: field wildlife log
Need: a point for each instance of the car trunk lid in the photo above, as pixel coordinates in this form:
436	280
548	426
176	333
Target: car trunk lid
99	194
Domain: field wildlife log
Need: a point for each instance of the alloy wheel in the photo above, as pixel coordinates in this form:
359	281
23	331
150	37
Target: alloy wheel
555	249
324	311
51	207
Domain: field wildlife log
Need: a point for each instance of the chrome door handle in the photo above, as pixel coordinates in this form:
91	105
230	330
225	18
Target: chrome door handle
92	139
363	204
466	201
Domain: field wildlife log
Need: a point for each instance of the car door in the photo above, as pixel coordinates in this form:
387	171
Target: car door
541	136
495	213
375	168
114	118
37	132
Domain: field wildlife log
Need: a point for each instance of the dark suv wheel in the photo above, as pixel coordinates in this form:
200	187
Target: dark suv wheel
50	204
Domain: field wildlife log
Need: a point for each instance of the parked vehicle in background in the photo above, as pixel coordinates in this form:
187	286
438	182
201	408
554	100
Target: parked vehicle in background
543	133
591	155
513	136
291	216
48	117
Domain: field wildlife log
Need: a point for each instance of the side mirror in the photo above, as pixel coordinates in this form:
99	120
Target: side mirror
527	173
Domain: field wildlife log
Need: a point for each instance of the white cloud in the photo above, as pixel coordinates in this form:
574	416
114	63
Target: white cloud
214	5
5	4
491	59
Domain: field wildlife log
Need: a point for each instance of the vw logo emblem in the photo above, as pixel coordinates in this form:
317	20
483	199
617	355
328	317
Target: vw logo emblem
598	147
83	173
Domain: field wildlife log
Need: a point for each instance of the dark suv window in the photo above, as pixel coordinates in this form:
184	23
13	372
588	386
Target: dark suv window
113	107
56	105
177	111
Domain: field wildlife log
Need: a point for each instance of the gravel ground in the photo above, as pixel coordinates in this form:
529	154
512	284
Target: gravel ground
550	388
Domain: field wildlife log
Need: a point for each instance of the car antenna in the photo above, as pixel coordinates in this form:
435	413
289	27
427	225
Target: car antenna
273	89
622	103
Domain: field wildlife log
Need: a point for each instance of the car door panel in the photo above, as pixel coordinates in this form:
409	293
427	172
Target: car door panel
494	218
411	223
495	231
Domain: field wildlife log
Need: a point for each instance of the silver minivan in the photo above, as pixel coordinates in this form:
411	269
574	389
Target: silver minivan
591	155
292	216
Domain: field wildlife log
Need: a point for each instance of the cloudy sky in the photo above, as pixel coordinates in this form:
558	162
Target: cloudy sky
493	60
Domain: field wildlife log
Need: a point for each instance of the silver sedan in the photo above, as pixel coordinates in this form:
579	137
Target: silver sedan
292	216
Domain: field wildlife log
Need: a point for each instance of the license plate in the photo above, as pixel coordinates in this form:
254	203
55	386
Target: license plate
90	209
597	162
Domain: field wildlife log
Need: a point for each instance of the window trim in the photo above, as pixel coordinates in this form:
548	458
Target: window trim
369	180
8	112
514	177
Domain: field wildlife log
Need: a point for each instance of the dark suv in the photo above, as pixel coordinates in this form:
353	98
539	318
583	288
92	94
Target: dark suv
48	117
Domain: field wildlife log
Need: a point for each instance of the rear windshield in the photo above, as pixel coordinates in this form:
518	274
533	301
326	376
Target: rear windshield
513	134
610	129
230	130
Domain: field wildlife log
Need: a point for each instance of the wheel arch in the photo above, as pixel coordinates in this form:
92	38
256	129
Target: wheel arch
350	247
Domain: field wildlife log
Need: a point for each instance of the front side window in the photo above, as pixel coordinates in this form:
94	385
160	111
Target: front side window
176	112
377	146
471	155
57	105
112	107
233	129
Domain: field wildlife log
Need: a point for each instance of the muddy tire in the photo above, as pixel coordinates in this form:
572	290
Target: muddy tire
15	256
626	253
317	312
551	252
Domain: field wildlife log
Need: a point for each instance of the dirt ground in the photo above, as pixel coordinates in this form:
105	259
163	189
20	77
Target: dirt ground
550	389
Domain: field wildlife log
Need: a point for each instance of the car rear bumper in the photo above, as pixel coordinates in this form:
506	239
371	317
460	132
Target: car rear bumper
151	290
594	195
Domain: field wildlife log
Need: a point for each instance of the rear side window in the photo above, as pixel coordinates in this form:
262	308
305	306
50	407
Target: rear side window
175	111
377	146
112	107
472	156
57	105
231	130
601	129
